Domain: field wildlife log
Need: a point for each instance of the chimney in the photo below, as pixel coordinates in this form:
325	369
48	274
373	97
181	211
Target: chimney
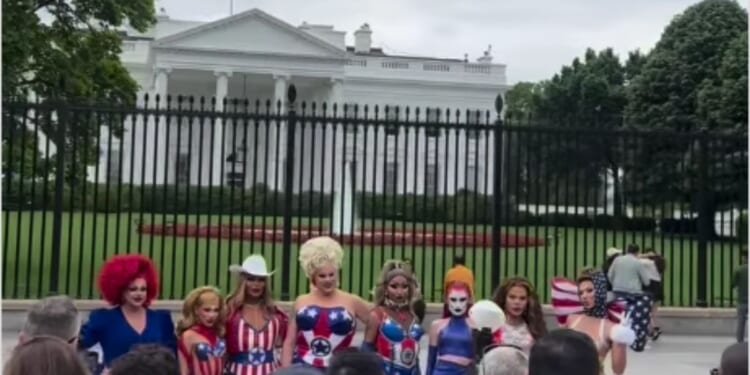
363	39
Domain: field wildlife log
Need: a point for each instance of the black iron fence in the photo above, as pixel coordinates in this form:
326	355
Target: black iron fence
197	189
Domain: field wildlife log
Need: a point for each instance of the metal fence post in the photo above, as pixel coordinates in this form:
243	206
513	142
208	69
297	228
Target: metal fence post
704	222
291	127
497	197
62	119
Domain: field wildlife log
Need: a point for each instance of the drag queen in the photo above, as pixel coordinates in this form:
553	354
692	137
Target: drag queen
524	320
452	339
325	320
393	330
583	307
200	346
255	327
129	283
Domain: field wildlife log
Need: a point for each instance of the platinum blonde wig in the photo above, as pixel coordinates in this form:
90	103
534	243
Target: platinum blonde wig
320	252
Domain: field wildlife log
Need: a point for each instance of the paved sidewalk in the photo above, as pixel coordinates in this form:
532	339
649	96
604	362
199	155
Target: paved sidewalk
684	355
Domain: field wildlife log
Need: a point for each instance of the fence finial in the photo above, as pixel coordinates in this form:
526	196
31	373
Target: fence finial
499	103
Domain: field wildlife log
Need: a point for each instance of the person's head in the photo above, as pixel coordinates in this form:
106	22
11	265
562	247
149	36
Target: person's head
52	316
129	280
355	362
592	290
203	306
734	360
633	249
45	355
297	371
504	360
518	299
564	352
459	260
396	286
253	286
146	359
321	260
458	297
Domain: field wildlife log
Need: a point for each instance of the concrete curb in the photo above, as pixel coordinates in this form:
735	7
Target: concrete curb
17	305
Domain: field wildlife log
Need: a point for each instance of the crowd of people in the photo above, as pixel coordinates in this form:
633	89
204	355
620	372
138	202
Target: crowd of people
247	333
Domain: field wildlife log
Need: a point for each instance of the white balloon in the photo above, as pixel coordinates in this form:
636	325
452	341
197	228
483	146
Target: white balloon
487	314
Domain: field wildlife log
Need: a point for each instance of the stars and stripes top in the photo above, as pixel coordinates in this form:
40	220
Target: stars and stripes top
252	351
397	346
205	358
321	332
565	302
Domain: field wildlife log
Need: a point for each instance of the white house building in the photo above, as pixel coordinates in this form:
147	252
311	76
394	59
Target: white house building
253	55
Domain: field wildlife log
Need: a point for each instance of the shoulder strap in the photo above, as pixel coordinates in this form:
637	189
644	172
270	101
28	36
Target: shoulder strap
575	321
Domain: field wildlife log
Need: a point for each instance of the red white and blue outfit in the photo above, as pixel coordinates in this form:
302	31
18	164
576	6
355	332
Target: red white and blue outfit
321	332
205	358
252	351
398	348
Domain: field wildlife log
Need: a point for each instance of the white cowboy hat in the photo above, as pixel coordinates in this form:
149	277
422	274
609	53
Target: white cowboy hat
253	265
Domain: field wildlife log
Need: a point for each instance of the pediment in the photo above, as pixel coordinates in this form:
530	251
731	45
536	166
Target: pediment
253	31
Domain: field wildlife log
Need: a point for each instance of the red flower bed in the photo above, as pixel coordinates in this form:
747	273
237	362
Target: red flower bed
370	237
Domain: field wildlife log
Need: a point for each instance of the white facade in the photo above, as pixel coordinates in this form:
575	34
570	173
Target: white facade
253	55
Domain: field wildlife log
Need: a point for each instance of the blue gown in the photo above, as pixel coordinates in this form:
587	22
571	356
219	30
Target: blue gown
110	329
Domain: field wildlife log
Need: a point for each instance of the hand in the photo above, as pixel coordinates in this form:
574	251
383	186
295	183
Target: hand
623	333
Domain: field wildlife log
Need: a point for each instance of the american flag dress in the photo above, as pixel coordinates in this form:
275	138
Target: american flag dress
397	347
204	358
253	351
321	332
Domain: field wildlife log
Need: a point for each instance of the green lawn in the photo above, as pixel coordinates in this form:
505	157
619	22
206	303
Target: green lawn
88	239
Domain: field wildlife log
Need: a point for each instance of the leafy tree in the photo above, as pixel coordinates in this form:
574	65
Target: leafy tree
690	52
62	50
692	80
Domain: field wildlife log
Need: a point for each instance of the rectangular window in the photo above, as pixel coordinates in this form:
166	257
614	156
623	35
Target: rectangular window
392	120
433	119
183	168
391	177
431	182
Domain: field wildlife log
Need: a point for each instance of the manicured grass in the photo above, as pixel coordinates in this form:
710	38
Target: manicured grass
88	239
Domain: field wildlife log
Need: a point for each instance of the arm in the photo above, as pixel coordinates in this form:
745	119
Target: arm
184	343
434	340
643	275
361	309
619	358
283	320
91	331
611	271
287	349
371	332
168	331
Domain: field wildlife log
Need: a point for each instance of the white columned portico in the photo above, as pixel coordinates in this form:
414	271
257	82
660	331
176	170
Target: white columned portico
217	158
158	128
281	82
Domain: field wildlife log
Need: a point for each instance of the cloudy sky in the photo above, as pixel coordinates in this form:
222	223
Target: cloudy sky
533	37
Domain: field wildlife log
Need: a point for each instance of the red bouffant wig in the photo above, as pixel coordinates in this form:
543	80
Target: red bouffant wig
119	271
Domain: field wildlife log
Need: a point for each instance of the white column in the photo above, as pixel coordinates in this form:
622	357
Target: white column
277	168
337	92
156	148
217	159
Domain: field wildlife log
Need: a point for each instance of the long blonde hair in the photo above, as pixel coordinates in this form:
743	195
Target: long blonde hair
192	303
238	297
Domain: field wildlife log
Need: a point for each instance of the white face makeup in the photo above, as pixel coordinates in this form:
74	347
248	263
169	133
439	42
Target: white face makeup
458	301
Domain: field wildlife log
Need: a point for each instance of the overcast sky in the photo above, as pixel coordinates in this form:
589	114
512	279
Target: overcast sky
533	37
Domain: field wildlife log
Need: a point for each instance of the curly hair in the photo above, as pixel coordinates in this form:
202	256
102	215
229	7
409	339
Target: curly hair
120	270
533	315
320	252
192	303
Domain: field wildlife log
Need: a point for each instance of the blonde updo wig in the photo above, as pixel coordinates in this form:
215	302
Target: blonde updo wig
320	252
